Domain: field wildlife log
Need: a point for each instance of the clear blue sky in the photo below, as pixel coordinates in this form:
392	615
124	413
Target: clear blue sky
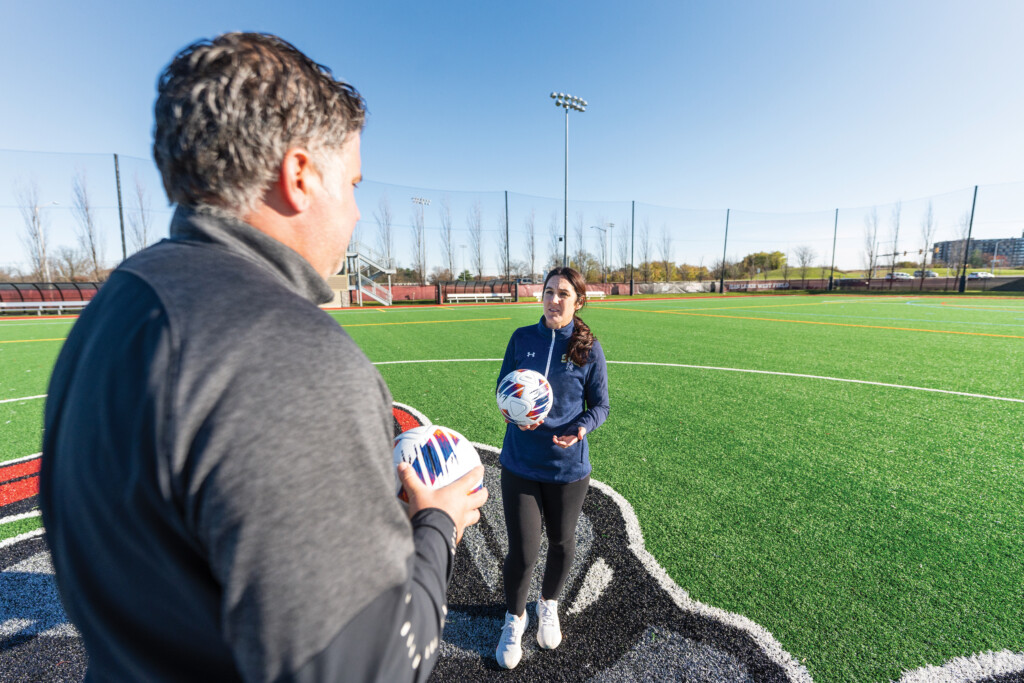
788	106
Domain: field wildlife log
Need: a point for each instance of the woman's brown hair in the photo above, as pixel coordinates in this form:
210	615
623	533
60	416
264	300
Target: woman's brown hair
582	339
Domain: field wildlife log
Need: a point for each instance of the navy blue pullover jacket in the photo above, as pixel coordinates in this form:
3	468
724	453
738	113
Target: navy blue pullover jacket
580	400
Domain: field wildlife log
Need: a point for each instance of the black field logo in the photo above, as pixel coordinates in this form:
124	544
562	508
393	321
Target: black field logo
623	619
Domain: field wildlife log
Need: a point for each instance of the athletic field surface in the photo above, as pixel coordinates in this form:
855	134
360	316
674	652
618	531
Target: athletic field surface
788	488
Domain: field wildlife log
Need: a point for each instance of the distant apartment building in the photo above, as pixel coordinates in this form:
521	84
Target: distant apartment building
1010	248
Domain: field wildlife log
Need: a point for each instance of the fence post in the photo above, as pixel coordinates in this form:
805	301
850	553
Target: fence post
831	273
120	209
725	244
967	245
632	234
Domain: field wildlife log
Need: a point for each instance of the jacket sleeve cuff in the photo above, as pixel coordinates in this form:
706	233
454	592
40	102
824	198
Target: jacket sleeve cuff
434	533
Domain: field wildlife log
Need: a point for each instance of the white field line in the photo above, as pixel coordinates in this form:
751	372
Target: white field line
821	377
18	518
25	398
22	537
980	667
5	463
754	372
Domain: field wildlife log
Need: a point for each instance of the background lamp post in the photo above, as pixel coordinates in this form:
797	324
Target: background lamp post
567	102
607	230
995	258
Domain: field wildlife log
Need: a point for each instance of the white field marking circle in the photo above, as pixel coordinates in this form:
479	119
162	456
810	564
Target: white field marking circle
26	458
18	518
754	372
26	398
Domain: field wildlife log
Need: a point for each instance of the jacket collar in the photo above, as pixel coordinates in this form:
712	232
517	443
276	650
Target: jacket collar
560	333
294	271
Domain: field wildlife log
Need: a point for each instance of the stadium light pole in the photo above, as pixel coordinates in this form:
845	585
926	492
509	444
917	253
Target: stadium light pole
567	102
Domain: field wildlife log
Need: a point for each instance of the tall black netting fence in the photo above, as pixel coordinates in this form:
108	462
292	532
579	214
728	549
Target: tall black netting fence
432	235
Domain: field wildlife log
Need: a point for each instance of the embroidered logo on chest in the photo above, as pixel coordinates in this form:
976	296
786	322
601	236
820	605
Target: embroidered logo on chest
530	354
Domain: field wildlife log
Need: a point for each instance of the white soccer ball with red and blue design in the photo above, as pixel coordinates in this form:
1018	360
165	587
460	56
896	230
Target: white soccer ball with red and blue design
437	454
524	397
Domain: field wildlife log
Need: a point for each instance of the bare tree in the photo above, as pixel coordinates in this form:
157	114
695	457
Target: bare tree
139	218
645	249
87	230
603	236
531	242
37	229
503	255
71	264
385	231
622	245
555	235
419	243
446	233
927	234
475	222
871	241
665	248
804	258
894	232
580	258
959	250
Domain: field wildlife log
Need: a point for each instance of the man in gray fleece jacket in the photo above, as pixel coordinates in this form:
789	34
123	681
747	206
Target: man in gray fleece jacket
217	486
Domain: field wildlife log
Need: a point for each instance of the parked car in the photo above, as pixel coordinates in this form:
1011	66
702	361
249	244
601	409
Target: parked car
897	276
979	275
927	273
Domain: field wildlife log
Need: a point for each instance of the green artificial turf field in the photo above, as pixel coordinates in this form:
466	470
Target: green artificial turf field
872	526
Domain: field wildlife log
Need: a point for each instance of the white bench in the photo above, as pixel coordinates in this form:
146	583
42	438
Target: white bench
478	297
39	307
597	294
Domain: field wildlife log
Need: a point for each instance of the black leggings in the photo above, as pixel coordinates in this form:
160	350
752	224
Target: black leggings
524	502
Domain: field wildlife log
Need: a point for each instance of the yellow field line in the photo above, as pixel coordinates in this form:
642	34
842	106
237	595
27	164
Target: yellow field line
24	341
425	322
814	322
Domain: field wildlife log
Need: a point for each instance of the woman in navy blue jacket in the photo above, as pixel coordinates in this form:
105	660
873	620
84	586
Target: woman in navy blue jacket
545	469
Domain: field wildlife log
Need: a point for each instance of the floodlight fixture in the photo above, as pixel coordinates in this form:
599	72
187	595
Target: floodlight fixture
579	104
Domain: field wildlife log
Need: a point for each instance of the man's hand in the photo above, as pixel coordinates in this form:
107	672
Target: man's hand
529	428
569	439
455	498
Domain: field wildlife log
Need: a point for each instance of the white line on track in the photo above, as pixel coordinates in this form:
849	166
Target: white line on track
18	518
25	398
753	372
5	463
23	537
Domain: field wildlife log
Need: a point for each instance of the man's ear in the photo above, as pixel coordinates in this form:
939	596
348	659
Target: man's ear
297	179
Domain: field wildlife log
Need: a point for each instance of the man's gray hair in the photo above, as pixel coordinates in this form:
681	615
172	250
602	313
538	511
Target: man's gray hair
228	109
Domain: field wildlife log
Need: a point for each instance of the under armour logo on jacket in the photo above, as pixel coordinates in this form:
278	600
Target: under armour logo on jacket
530	354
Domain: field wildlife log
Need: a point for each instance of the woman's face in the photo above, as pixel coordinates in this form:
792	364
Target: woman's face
560	302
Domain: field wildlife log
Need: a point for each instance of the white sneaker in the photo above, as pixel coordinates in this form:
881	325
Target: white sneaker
510	647
549	634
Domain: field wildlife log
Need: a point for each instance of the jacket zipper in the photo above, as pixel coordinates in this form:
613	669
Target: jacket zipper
550	350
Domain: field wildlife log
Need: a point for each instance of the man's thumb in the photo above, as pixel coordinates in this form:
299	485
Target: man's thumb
410	482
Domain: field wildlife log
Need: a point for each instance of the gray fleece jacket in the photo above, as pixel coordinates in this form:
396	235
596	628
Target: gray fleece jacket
217	486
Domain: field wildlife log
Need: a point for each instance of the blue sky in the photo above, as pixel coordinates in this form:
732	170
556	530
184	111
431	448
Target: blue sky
788	106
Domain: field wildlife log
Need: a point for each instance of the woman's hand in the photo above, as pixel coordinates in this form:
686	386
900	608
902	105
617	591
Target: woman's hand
529	428
569	439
